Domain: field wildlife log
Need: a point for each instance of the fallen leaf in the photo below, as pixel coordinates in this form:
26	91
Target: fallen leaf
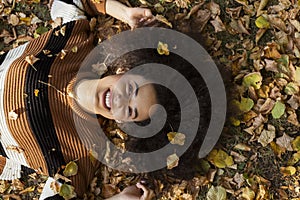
294	102
12	115
176	138
288	171
216	193
262	22
246	104
67	191
278	150
172	161
218	24
162	48
220	158
296	144
99	68
285	142
36	92
253	79
162	19
239	179
294	159
291	88
267	136
71	169
278	110
261	6
31	60
13	20
248	194
242	147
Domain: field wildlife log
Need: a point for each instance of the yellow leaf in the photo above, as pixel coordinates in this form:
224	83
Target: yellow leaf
220	158
248	194
278	150
162	48
71	169
63	30
172	161
36	92
288	171
234	121
75	49
294	159
262	22
296	143
176	138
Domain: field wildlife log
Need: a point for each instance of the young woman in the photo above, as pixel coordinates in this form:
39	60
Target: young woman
39	95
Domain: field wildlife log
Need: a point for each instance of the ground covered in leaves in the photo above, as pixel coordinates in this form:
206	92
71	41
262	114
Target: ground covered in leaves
258	43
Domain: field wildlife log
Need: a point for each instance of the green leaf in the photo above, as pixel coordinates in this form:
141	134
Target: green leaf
262	22
291	88
71	169
246	104
67	191
278	110
253	79
41	30
216	193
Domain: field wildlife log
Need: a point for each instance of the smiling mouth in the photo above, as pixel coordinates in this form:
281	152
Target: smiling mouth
107	99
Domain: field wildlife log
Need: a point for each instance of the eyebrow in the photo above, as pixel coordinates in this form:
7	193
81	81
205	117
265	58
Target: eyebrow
135	94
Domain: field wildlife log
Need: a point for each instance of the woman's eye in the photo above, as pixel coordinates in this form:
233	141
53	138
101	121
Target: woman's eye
129	111
130	89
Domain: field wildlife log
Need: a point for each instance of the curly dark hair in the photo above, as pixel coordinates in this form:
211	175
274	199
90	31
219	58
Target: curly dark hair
170	102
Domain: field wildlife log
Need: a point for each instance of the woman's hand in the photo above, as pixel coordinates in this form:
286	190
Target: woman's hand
137	17
134	192
134	17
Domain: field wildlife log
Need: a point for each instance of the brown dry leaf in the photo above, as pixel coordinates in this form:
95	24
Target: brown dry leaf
285	142
99	68
267	136
218	24
239	179
262	5
267	106
292	118
31	60
259	120
14	148
271	65
13	20
182	3
63	54
242	147
164	20
62	30
271	51
57	22
276	22
172	161
259	34
237	157
12	115
238	26
214	8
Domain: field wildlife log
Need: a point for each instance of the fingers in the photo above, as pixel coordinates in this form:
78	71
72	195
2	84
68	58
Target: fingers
147	193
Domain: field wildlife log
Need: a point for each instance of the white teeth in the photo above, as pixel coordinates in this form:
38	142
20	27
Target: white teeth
107	99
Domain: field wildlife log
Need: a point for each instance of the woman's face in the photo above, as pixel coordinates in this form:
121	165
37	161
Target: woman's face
121	97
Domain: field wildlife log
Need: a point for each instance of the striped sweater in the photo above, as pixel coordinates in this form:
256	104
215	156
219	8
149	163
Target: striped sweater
37	121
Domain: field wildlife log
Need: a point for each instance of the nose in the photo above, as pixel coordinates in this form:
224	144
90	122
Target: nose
120	100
